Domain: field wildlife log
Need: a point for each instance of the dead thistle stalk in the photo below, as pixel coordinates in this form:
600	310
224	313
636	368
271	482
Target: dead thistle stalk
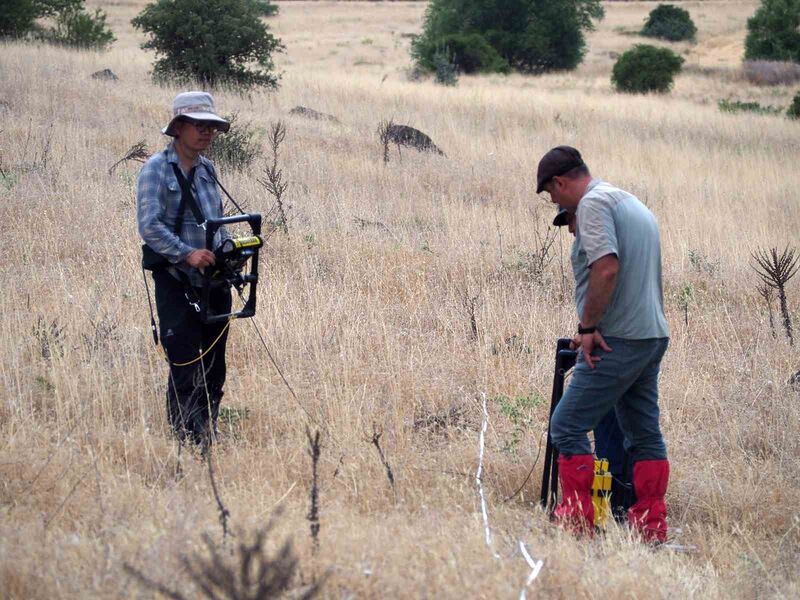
376	441
768	294
251	574
471	303
314	448
273	180
775	272
137	152
224	513
384	135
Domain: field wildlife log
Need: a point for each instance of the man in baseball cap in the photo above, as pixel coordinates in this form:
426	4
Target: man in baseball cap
622	337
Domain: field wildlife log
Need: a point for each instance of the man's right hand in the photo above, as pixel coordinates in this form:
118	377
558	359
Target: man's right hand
200	259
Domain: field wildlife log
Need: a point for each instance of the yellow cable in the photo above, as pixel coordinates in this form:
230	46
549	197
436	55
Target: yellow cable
211	347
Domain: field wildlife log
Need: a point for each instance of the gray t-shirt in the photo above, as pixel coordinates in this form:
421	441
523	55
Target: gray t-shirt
612	221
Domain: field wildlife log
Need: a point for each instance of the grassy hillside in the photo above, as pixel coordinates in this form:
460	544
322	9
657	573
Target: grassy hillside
367	306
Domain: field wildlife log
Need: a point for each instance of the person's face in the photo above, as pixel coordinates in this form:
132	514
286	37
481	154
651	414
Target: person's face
562	193
572	221
196	135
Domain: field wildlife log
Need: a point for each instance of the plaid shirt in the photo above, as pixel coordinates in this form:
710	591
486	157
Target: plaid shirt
158	197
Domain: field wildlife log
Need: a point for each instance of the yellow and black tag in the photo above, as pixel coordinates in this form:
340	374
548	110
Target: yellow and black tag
601	493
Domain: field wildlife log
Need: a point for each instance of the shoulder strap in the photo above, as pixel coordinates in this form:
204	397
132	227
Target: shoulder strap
187	197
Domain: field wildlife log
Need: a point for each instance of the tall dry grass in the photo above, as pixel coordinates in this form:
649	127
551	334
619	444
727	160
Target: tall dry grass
370	326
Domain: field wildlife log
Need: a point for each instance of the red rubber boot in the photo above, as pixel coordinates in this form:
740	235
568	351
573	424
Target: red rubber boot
649	515
575	511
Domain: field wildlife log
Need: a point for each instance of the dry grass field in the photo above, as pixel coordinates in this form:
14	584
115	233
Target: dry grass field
370	321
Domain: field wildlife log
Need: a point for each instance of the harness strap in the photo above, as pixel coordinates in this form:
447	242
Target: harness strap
187	197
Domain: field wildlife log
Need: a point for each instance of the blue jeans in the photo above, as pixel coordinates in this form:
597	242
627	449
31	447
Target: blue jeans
626	379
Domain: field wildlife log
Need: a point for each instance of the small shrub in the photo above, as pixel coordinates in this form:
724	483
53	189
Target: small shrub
471	53
794	110
265	8
736	106
210	42
646	68
773	32
445	68
237	148
73	25
669	22
519	411
771	72
79	29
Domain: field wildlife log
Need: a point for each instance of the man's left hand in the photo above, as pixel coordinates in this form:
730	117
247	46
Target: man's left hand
587	342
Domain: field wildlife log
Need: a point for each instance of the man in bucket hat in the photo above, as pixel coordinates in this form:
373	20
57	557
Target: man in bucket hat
622	337
175	193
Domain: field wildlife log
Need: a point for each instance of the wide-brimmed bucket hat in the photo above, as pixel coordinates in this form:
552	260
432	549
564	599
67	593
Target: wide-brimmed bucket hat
197	106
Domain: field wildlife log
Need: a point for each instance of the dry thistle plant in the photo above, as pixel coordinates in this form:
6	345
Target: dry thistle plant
252	574
768	294
376	441
137	152
273	177
775	272
224	513
50	336
471	303
314	448
385	137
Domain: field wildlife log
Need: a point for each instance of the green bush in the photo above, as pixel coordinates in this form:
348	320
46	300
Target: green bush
531	36
210	42
646	68
669	22
79	29
773	32
73	25
17	17
736	106
471	53
265	8
793	112
237	148
446	69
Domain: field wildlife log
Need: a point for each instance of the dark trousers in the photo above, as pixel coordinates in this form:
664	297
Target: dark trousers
193	391
609	443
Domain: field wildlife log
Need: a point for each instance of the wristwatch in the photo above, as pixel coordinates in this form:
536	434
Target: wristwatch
583	330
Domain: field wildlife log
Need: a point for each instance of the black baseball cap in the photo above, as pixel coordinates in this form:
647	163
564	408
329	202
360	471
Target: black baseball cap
562	217
556	162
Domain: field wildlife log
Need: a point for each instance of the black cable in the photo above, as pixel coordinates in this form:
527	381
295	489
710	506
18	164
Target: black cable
150	304
214	177
280	372
536	460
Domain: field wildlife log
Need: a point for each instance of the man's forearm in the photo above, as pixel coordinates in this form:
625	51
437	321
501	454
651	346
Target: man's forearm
602	281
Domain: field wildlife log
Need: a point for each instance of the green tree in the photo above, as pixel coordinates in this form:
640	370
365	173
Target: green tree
793	112
646	68
211	42
531	36
79	29
265	8
773	32
669	22
17	17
